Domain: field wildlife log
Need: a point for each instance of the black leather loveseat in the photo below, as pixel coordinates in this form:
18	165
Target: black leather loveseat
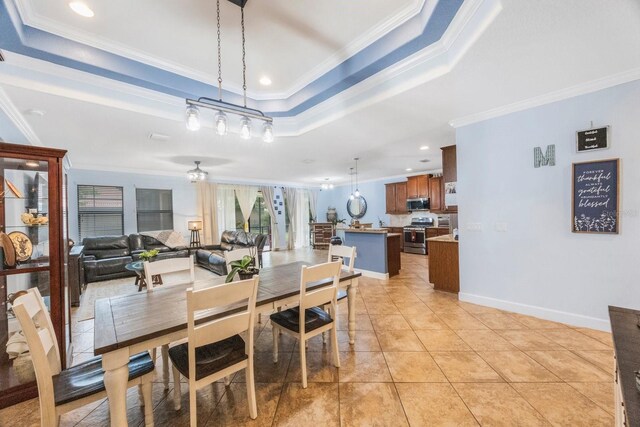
212	256
104	258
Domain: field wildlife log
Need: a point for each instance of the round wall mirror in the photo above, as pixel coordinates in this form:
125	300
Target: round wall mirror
357	207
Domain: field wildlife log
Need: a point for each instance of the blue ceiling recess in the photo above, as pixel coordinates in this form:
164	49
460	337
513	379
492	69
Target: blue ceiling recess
414	35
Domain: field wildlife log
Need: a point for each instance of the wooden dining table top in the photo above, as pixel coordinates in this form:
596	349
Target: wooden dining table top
125	320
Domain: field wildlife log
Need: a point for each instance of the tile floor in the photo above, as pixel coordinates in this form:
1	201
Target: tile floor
421	357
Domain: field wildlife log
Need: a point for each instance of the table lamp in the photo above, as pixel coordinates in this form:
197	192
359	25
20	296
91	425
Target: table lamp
195	227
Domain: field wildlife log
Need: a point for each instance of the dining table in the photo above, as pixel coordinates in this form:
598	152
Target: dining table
129	324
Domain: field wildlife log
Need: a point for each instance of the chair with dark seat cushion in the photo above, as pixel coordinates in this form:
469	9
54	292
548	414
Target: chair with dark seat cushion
312	320
63	391
214	349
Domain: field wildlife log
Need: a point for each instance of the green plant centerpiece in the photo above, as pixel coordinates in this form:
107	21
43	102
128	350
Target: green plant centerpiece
149	255
245	267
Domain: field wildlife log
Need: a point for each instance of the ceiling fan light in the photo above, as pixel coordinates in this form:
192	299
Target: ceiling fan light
267	132
220	121
193	118
245	128
197	174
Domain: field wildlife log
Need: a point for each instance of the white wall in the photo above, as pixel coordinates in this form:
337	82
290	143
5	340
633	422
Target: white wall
538	266
184	196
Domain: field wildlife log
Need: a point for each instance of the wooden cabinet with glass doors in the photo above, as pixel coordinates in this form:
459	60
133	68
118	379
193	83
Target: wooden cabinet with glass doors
33	253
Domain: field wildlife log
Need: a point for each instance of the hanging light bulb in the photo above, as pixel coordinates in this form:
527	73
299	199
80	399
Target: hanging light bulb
193	118
267	132
245	128
220	121
197	174
357	193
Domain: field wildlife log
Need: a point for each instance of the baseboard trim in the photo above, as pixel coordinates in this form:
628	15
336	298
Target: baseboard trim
373	274
540	312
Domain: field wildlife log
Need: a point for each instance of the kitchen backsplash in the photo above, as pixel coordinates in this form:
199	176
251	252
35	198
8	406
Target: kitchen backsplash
402	220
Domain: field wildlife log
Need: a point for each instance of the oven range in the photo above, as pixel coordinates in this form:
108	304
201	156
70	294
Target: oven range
415	235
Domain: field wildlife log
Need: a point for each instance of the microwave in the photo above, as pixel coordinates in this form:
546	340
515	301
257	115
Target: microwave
417	205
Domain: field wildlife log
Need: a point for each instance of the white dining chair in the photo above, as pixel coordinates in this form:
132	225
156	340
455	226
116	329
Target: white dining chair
308	319
183	271
341	253
61	391
215	348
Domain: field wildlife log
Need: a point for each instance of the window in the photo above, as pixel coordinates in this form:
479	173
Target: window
259	220
155	209
100	211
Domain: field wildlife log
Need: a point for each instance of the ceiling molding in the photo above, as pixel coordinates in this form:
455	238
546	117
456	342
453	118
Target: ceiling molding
570	92
16	117
31	18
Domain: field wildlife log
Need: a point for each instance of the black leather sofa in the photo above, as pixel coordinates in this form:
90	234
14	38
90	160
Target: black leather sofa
211	257
104	258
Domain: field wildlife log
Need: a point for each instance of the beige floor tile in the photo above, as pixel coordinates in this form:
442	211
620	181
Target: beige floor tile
413	367
478	309
363	366
442	340
603	359
388	322
434	404
600	393
574	340
365	341
264	342
399	341
233	408
603	337
498	405
461	366
320	368
569	367
563	406
317	404
535	323
427	320
413	308
363	323
515	366
370	404
461	321
265	371
500	321
378	307
529	340
485	340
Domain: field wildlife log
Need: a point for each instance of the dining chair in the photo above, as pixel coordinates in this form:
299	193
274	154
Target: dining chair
308	319
215	349
61	391
339	253
183	266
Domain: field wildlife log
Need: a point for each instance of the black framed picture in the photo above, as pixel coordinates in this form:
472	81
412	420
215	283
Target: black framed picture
592	139
596	197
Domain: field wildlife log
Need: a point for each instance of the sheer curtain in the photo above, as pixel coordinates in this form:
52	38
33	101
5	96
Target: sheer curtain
302	218
268	193
246	195
226	203
208	212
313	203
290	195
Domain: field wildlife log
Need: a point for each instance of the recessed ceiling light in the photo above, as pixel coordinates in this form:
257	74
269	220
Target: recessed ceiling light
424	147
34	112
265	81
408	169
81	9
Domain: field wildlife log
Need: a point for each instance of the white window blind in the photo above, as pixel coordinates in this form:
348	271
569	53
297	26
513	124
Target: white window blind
154	209
100	211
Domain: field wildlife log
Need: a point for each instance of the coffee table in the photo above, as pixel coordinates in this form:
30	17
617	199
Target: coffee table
138	268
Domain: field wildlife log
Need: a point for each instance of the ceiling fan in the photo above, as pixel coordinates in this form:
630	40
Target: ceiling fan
240	3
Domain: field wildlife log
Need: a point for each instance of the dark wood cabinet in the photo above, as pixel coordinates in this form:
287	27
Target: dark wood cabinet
418	187
436	192
449	172
321	234
396	198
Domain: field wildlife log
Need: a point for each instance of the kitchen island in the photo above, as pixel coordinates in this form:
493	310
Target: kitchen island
444	270
378	251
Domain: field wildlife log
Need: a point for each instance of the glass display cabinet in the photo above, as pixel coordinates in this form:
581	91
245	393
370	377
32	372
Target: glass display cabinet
33	253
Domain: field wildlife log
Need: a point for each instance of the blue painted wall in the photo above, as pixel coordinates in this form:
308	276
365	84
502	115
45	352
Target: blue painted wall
371	251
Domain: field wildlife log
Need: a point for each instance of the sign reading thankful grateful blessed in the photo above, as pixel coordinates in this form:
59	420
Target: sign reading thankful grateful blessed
595	197
592	139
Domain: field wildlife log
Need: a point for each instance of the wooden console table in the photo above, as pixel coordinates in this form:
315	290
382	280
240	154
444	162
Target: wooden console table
625	331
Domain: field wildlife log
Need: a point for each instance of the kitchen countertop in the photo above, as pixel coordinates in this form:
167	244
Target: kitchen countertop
394	234
446	239
366	230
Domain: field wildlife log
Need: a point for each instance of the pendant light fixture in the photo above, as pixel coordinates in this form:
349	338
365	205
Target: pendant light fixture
352	196
221	107
197	174
357	192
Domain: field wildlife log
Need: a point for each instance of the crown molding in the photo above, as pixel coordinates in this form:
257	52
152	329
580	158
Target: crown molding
32	19
570	92
16	117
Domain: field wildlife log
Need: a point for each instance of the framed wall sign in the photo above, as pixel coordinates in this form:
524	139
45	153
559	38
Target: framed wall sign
595	197
592	139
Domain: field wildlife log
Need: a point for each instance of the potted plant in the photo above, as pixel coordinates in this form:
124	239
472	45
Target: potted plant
149	255
245	268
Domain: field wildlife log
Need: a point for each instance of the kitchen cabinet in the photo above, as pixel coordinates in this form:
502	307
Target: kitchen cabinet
396	198
321	234
398	230
449	172
418	187
436	192
444	264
